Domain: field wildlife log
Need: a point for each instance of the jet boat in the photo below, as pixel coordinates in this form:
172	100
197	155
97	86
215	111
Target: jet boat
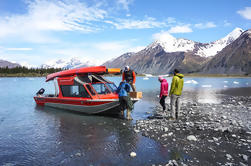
82	90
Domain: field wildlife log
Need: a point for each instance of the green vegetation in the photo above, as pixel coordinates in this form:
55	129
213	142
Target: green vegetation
42	72
26	72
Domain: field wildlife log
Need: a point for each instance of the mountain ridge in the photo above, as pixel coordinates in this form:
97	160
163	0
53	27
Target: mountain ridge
233	59
162	56
5	63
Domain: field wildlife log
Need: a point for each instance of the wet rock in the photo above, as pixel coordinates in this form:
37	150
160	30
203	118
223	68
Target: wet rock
229	157
229	164
136	131
224	129
133	154
191	138
245	157
78	154
218	124
170	134
242	164
172	163
215	139
165	129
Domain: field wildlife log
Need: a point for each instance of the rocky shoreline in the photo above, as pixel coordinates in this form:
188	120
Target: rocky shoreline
205	134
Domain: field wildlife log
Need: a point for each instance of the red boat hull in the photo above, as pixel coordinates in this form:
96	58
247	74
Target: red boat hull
80	105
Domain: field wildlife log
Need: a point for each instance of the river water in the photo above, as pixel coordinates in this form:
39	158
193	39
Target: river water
32	135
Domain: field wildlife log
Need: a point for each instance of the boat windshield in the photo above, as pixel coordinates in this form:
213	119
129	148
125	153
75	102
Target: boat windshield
112	87
101	88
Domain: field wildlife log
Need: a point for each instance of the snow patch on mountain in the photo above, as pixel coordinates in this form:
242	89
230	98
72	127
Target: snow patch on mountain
213	48
172	44
68	63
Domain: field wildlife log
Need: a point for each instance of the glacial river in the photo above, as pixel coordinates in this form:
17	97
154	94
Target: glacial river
32	135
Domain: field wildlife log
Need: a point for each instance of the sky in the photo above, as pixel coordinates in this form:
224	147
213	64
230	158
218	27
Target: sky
35	32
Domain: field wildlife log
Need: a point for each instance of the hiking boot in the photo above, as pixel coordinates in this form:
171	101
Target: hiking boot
128	115
121	115
172	119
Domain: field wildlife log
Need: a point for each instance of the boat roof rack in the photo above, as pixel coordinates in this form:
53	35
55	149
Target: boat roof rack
83	79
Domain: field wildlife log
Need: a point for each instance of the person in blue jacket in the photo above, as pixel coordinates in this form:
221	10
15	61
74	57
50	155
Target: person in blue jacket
124	99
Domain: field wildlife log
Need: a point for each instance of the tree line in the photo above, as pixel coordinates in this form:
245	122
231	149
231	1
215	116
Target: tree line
25	70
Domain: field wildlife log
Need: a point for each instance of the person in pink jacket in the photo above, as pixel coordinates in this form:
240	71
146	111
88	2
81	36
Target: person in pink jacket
163	92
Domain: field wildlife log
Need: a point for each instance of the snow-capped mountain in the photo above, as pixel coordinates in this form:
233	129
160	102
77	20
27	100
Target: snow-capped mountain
172	44
168	52
235	58
68	63
211	49
4	63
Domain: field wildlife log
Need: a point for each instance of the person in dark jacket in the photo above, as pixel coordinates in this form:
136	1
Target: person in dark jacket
163	92
130	77
175	93
124	99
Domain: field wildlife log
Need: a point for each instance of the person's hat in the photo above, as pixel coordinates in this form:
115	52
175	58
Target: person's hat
176	71
127	68
160	78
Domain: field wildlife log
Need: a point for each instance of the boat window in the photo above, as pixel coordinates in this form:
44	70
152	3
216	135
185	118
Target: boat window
112	86
74	91
101	88
90	89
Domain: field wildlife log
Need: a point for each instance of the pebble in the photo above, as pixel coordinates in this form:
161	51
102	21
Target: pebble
191	138
228	156
245	157
137	131
172	163
215	139
170	134
133	154
165	129
207	118
78	154
242	164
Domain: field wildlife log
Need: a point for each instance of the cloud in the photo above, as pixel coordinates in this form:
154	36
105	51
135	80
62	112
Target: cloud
97	52
163	35
18	49
26	64
171	20
246	13
124	3
149	22
180	29
44	16
226	23
205	25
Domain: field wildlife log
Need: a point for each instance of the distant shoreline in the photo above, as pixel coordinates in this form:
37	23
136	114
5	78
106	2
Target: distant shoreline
23	75
138	75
